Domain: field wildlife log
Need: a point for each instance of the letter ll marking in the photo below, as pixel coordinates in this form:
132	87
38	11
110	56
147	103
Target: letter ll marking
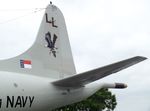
50	21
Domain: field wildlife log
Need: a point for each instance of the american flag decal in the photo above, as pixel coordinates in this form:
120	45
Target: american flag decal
25	64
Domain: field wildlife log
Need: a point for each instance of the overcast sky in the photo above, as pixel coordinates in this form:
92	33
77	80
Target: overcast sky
100	31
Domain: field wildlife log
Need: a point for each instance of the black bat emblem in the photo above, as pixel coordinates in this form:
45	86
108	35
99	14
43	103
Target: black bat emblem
51	43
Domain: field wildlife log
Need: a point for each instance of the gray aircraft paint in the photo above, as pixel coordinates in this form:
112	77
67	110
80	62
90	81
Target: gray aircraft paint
46	96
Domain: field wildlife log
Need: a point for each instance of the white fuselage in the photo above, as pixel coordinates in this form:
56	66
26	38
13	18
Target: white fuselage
19	92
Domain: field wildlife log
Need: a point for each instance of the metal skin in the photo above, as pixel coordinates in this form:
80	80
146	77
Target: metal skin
46	96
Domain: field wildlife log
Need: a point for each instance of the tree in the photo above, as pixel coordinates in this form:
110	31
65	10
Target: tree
101	100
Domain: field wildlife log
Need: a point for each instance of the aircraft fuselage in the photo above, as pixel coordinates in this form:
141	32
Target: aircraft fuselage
21	92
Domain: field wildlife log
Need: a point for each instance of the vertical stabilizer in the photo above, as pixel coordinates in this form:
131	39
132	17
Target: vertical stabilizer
50	54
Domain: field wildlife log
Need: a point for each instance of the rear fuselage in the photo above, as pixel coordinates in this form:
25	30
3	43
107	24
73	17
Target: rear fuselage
21	92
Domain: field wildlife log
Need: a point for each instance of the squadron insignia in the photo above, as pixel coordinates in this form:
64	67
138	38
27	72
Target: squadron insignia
51	43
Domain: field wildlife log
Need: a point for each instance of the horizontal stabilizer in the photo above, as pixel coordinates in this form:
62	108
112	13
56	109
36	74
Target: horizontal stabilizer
82	79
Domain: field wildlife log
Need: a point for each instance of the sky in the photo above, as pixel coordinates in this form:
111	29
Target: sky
100	32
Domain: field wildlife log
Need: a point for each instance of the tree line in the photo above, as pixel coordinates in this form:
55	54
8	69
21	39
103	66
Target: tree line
100	101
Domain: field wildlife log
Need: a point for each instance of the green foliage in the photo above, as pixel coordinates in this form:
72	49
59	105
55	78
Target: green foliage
102	99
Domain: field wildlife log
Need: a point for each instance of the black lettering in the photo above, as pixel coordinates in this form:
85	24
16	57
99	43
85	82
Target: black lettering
10	102
31	100
24	101
18	102
50	22
0	103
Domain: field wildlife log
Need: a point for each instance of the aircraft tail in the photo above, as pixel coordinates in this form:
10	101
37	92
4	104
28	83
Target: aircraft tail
50	54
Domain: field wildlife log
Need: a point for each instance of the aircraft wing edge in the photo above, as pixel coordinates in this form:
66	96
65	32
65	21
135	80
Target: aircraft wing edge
82	79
